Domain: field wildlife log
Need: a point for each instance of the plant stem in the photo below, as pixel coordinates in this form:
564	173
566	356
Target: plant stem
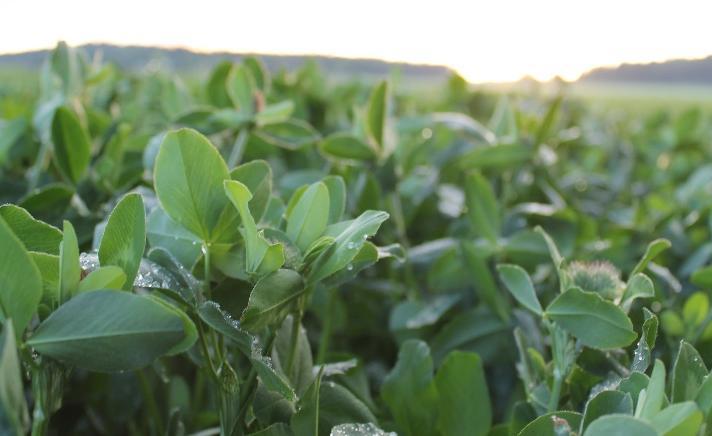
555	391
250	384
150	401
238	148
296	323
206	260
206	351
326	328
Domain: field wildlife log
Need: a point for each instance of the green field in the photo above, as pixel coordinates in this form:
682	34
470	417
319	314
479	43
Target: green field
290	253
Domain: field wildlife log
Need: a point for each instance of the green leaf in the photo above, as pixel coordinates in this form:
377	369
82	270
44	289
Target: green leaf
109	331
277	429
241	88
10	132
639	286
36	235
189	175
349	236
301	374
503	122
681	419
549	423
377	116
695	309
478	268
275	113
163	232
213	315
482	207
463	403
48	266
651	403
257	177
619	425
70	271
307	220
272	299
337	197
346	146
688	373
606	403
654	248
648	336
496	157
49	202
554	253
13	407
124	238
72	148
292	134
409	391
20	281
261	256
217	85
596	322
105	277
520	285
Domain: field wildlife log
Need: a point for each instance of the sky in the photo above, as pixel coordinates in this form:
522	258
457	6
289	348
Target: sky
485	41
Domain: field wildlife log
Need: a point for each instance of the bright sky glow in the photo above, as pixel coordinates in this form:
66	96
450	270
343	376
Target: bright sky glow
490	40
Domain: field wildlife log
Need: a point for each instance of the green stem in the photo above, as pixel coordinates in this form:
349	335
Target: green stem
250	384
206	261
555	391
206	351
150	401
47	388
238	148
326	328
296	323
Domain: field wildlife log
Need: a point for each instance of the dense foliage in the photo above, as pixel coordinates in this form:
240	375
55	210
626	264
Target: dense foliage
271	255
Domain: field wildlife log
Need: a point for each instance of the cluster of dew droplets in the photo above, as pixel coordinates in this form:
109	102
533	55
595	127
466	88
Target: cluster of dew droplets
355	245
641	357
607	385
359	430
89	261
561	426
152	275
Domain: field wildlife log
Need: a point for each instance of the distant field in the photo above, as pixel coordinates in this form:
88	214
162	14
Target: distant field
662	94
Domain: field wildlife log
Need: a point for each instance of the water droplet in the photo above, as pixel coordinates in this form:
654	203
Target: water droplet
349	267
351	245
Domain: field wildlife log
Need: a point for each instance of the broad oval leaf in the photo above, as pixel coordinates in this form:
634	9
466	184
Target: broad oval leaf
105	277
189	177
307	219
109	330
619	425
20	281
596	322
549	423
346	146
482	207
124	238
12	394
36	235
271	299
520	286
463	400
72	148
349	236
70	271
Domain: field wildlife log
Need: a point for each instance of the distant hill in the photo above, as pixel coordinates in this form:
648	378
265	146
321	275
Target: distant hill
136	58
682	71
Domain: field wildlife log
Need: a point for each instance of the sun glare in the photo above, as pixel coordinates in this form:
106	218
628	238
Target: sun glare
486	41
